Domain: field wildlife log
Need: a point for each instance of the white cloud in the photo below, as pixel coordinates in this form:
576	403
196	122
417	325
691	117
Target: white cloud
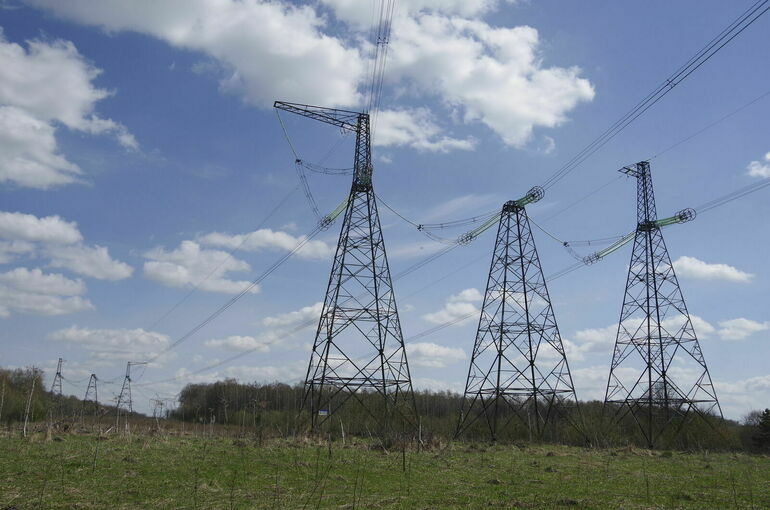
34	292
290	372
27	227
467	295
190	266
739	397
266	50
93	261
266	238
760	168
47	83
359	14
62	243
114	344
263	50
29	155
428	354
294	318
416	128
738	329
238	343
491	75
690	267
458	307
602	340
9	250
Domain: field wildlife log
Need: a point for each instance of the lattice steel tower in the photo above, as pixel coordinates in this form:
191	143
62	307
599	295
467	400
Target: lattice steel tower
359	347
92	395
658	372
518	367
56	388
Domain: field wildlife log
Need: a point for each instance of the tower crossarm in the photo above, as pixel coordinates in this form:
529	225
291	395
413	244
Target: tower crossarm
347	120
532	196
682	216
343	119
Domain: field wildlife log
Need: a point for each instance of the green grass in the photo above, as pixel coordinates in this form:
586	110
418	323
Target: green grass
146	471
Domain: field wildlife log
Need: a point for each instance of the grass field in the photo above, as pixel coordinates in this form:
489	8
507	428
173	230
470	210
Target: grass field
157	471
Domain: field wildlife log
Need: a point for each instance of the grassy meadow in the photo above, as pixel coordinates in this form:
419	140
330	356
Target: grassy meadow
159	470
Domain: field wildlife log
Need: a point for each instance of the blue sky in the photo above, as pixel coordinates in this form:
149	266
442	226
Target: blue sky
138	142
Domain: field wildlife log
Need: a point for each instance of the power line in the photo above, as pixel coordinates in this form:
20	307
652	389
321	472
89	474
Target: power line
225	259
696	61
711	125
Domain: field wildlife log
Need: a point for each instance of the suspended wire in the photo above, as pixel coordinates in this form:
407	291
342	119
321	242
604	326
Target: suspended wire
711	125
695	62
583	199
238	296
381	45
296	329
230	254
735	195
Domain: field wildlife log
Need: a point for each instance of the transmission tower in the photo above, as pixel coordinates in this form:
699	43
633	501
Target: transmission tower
658	373
518	367
56	388
359	348
124	398
92	395
56	391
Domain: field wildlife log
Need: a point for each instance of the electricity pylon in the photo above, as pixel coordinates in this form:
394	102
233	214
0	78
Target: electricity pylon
658	373
359	347
56	391
92	395
56	388
124	398
518	367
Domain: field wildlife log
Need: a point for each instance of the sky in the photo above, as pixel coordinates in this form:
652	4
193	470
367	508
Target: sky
139	148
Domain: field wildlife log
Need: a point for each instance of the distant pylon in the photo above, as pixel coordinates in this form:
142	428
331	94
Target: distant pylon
56	388
358	345
92	395
658	372
124	398
518	367
56	391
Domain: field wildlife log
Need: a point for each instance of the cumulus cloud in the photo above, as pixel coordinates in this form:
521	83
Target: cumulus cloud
359	14
760	168
294	318
261	50
27	227
114	344
429	354
37	293
467	295
690	267
92	261
45	84
29	155
238	343
191	266
485	74
740	328
458	307
61	242
602	340
266	238
278	331
416	128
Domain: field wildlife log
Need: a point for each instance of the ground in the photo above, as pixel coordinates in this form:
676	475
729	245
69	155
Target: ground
194	472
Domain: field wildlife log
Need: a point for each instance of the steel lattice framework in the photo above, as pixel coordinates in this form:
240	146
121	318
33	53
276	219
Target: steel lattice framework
92	395
658	372
358	350
518	367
